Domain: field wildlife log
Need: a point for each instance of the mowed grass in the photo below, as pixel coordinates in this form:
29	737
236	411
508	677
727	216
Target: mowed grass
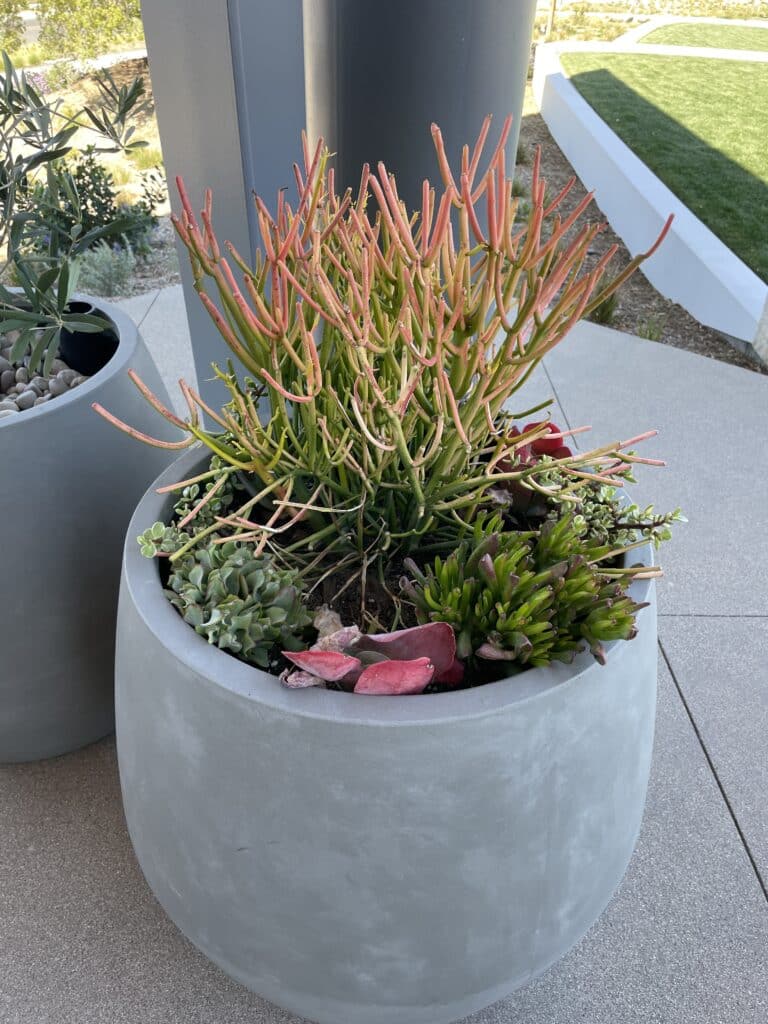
701	126
720	37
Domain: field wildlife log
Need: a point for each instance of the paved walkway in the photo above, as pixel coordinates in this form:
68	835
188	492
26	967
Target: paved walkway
685	941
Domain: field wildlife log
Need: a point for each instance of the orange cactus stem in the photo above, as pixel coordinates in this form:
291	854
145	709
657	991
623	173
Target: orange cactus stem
155	442
155	402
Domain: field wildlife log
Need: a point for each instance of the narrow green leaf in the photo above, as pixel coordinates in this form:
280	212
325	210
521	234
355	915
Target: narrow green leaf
63	293
40	344
20	346
53	351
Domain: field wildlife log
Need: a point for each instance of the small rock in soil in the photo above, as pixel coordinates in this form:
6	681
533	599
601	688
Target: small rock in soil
7	380
4	364
57	366
56	387
42	399
8	404
22	375
67	376
26	400
8	412
40	383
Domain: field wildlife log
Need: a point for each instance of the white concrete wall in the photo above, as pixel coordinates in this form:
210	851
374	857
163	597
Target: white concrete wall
693	267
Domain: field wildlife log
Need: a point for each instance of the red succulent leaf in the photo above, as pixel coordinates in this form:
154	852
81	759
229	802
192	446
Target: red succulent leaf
328	665
563	452
545	445
453	675
396	677
435	641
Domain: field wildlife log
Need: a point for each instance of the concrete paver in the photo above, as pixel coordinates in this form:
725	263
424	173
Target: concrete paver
721	667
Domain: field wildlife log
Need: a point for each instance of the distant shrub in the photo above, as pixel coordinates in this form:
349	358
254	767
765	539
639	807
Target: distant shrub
97	205
107	269
11	24
651	329
86	28
147	158
605	313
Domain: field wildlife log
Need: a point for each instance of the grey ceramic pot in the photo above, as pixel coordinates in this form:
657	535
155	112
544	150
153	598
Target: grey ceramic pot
375	860
68	485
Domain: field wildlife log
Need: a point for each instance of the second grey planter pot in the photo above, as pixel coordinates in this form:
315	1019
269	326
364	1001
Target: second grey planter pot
68	484
375	860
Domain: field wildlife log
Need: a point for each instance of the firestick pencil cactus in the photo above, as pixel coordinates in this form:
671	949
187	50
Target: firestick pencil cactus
387	345
379	349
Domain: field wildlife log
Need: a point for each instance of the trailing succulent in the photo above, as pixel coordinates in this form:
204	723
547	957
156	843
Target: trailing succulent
525	598
240	603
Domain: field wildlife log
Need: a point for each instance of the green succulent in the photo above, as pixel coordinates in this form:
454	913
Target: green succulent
240	602
219	504
160	539
525	598
608	520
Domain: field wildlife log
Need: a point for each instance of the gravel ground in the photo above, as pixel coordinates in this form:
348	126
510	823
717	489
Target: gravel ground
641	309
161	268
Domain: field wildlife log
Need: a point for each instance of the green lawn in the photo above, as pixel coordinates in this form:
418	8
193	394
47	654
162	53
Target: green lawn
700	125
721	37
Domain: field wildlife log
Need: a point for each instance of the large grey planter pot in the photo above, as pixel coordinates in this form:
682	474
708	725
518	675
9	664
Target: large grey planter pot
374	860
68	484
378	74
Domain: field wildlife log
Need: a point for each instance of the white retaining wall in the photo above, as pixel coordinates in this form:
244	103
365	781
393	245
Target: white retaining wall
693	267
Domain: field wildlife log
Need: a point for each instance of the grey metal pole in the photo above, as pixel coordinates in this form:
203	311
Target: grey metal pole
378	74
228	81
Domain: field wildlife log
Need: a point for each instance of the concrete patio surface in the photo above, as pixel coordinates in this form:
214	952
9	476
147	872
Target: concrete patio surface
684	941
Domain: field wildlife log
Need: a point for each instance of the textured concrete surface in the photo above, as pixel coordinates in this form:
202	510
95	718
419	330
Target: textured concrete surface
721	668
712	420
685	941
164	326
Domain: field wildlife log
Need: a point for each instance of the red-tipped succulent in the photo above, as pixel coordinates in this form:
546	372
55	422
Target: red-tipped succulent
403	662
550	444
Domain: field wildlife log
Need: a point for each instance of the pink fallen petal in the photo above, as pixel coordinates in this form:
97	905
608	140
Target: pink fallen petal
328	665
435	641
396	677
300	680
339	640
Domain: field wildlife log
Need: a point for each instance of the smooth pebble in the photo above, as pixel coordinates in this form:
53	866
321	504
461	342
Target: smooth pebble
26	400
